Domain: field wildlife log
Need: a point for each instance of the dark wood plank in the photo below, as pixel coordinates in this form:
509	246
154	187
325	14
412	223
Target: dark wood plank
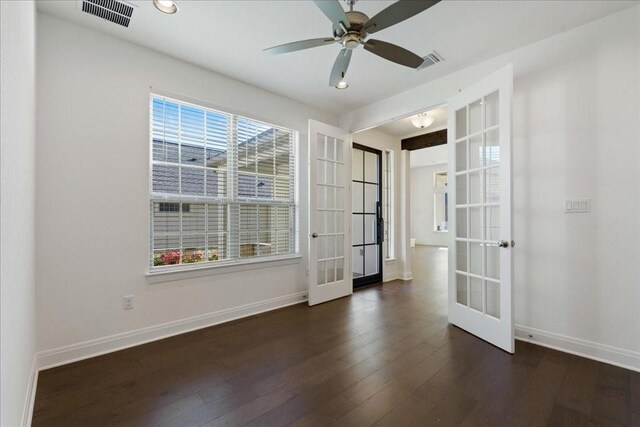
538	394
384	356
634	400
578	390
612	406
562	416
430	139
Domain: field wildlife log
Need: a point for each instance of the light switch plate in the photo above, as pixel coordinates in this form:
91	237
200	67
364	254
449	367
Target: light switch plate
576	206
568	206
581	205
585	205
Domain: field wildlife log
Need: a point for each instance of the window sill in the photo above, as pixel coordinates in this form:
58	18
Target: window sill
160	275
440	231
389	260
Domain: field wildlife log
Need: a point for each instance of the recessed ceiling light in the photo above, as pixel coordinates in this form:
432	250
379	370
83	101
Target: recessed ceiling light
166	6
342	85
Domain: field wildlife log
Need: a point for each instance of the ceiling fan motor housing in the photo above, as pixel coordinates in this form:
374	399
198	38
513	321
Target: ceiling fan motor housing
356	25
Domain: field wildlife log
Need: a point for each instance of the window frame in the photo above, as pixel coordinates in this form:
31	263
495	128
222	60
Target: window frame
239	263
439	191
389	205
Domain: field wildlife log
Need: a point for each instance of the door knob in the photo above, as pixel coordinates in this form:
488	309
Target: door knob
314	235
503	244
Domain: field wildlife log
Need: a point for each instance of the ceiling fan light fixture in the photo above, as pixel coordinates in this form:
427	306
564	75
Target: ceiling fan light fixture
422	120
166	6
342	85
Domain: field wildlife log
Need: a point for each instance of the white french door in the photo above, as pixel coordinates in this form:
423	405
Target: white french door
329	213
480	250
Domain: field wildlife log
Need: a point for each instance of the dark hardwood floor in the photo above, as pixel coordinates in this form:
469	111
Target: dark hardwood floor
384	356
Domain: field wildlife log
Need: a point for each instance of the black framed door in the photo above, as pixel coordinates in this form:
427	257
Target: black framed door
366	218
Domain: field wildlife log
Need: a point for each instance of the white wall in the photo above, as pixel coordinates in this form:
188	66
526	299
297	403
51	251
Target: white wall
422	206
381	141
17	209
430	156
92	191
576	127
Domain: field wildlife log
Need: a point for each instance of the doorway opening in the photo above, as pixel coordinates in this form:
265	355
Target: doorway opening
429	184
471	202
424	137
382	165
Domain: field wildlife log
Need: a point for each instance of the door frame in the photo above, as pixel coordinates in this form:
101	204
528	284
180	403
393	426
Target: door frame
375	278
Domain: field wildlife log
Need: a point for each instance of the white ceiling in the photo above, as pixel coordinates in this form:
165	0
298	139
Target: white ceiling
228	37
403	128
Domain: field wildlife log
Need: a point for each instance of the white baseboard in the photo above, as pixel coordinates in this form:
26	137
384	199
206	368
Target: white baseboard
389	277
84	350
405	275
602	353
30	398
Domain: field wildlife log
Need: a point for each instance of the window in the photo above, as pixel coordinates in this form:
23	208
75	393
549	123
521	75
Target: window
440	202
222	186
172	207
388	203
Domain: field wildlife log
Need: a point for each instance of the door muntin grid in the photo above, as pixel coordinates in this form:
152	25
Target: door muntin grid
477	209
366	209
330	209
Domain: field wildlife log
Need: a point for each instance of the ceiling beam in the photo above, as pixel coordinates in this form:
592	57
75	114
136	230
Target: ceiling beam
432	139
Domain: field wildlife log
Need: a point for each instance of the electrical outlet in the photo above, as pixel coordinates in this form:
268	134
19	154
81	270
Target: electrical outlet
128	302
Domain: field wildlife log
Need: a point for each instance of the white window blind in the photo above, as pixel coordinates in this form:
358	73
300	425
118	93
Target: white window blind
222	186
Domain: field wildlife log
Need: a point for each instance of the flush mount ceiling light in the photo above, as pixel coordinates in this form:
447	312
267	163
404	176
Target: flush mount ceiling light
422	120
166	6
342	85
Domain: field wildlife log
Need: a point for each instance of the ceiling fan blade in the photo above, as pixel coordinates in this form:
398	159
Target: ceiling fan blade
397	12
334	11
299	45
393	53
339	69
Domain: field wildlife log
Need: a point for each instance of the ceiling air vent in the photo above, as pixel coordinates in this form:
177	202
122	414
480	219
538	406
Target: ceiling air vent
431	59
118	12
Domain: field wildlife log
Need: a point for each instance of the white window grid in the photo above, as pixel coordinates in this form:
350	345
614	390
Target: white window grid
225	199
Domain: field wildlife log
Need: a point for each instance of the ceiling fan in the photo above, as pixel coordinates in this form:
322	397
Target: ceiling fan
351	29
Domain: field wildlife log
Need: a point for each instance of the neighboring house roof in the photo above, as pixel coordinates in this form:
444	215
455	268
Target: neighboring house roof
255	157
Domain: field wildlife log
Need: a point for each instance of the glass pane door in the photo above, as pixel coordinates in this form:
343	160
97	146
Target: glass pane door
480	251
329	234
478	206
330	189
366	219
